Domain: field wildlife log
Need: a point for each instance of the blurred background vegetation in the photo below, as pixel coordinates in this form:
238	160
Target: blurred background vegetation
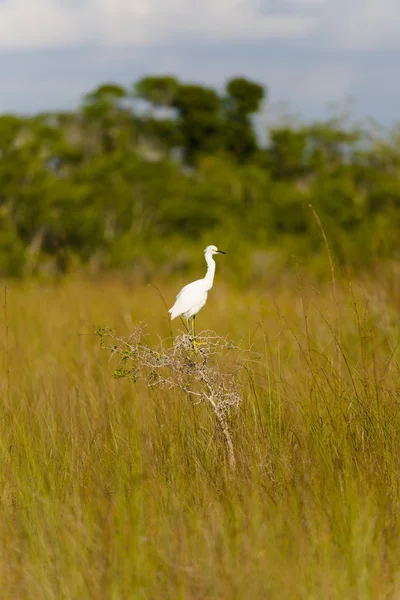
140	179
115	490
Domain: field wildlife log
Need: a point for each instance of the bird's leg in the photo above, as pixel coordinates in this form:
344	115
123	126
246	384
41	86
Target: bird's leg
193	329
194	335
196	344
189	326
194	332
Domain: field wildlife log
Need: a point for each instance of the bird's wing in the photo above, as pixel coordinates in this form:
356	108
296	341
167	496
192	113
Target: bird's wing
193	283
185	298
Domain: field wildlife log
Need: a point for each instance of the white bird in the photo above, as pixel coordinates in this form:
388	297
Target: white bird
193	296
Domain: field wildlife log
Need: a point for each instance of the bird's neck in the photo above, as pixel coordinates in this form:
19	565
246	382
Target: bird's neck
209	277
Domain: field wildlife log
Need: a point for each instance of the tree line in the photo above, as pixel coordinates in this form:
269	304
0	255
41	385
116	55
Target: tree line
140	178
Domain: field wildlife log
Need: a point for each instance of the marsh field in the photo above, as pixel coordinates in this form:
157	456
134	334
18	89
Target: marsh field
113	489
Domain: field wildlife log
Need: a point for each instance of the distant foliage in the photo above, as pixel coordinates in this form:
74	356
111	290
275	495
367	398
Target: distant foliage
140	178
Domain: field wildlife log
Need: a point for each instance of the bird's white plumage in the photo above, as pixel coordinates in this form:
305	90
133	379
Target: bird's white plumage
193	296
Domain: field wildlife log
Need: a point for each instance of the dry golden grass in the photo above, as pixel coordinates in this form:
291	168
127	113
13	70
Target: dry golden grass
112	490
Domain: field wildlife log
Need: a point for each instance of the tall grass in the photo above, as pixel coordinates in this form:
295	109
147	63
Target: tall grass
114	490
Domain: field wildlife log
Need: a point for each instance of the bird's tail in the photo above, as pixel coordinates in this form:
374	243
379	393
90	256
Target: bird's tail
172	313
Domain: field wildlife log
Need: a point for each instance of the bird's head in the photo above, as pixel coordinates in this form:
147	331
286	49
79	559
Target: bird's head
213	250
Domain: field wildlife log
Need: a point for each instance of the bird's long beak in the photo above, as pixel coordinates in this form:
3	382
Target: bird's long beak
220	252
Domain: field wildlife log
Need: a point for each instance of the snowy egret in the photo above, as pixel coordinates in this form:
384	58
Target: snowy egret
193	296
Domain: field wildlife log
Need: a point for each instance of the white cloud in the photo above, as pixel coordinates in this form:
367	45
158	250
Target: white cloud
25	25
359	25
337	24
50	23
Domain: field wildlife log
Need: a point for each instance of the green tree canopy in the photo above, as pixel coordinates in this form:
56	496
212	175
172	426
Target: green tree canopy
114	186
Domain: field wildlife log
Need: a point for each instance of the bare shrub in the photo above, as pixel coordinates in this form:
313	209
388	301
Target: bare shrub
195	370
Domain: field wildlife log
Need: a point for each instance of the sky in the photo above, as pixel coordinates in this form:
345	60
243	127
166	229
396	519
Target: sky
311	55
